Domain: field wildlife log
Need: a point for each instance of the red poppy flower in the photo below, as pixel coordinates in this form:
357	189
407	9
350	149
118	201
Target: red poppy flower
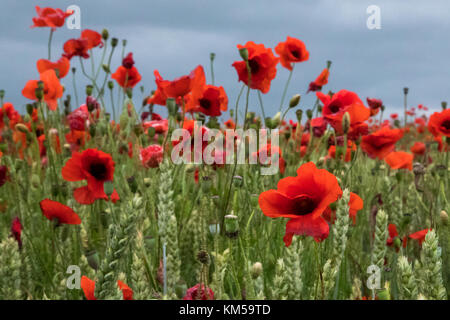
53	210
291	51
263	66
127	292
151	156
420	235
53	89
16	231
76	48
11	113
88	287
94	39
374	105
320	81
418	148
264	154
199	292
355	204
49	17
126	78
351	147
160	126
303	199
439	123
394	116
399	160
381	143
341	102
95	166
392	228
229	124
209	100
61	67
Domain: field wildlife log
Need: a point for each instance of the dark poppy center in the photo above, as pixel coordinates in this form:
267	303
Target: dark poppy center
334	107
446	124
98	171
304	205
205	103
254	66
296	53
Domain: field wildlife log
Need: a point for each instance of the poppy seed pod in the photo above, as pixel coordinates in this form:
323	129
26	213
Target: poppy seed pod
444	105
309	114
212	56
203	257
105	34
110	85
295	100
299	115
243	53
114	42
238	181
405	90
329	64
2	94
257	270
109	188
39	94
231	226
89	89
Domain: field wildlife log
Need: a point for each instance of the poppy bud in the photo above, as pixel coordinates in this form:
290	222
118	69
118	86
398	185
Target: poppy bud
299	114
243	53
109	188
397	242
346	122
444	105
110	85
257	270
295	100
124	42
171	106
74	70
92	259
212	56
268	122
30	109
106	68
105	34
22	128
231	226
89	89
114	42
309	114
2	94
444	218
39	92
276	120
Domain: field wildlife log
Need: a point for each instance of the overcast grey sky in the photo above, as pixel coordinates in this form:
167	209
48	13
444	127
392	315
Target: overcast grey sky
411	49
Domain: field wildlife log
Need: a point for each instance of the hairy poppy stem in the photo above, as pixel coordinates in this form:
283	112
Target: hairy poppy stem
50	44
286	87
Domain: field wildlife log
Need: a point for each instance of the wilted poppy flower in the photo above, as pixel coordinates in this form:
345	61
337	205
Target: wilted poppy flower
128	61
62	214
61	67
127	78
374	105
320	81
16	231
399	160
303	199
291	51
49	17
127	292
418	148
76	48
151	156
420	235
88	287
381	142
95	166
341	102
199	292
263	66
53	89
94	39
439	123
